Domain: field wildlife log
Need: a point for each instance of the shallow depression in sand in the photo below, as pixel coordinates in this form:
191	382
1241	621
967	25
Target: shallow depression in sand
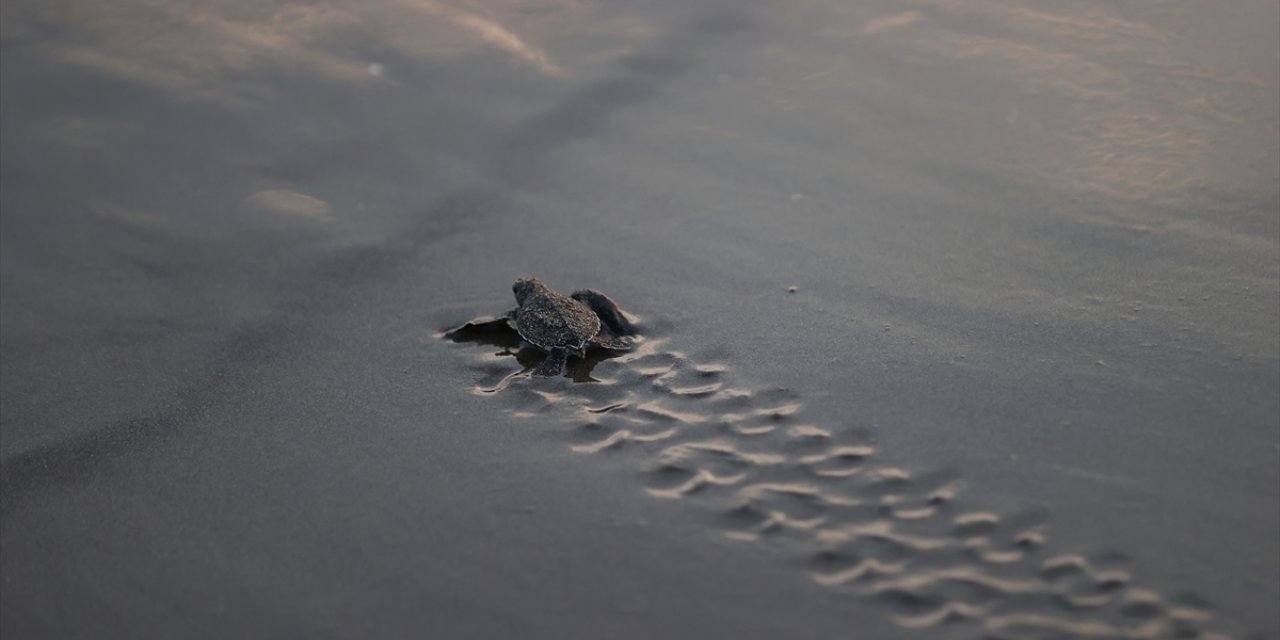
882	532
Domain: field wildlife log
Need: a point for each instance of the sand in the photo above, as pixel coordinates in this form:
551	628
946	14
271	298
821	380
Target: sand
958	319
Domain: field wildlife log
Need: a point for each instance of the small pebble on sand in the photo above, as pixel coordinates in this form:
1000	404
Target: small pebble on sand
792	289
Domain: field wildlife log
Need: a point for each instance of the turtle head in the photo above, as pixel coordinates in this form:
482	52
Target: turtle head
525	287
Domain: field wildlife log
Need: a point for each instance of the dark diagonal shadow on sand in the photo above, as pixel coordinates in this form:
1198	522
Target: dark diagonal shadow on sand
585	111
906	538
83	458
519	159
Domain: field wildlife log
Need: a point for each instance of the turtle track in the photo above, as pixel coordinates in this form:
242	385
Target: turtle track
903	537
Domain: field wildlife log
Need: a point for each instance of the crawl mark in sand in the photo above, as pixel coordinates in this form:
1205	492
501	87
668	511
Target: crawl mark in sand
771	479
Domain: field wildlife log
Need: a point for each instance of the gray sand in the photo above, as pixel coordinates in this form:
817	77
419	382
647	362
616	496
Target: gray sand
1036	254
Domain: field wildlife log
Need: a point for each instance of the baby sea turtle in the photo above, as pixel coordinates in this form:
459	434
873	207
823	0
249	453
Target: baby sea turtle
566	325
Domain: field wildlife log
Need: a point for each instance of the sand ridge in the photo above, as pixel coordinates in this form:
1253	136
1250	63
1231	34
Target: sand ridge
906	538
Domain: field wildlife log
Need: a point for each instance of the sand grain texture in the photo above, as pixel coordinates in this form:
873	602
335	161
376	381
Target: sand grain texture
963	318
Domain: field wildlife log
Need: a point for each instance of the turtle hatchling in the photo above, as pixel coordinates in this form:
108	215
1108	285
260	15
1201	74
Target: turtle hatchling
566	326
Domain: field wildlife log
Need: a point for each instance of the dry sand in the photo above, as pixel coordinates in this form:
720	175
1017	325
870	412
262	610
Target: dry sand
1025	384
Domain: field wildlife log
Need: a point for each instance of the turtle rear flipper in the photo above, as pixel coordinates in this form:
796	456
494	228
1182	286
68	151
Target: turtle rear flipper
610	314
553	365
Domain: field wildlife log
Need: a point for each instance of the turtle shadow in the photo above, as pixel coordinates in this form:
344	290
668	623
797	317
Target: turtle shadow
493	331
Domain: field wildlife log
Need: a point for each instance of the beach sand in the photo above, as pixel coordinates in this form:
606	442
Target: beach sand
958	320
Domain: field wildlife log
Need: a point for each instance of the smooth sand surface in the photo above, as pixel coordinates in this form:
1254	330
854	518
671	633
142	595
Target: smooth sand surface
1025	384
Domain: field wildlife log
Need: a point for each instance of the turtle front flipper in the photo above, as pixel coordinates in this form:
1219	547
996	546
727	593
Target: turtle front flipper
610	314
612	344
553	365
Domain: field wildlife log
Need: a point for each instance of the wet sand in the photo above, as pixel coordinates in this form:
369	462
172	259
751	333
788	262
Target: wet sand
1025	385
